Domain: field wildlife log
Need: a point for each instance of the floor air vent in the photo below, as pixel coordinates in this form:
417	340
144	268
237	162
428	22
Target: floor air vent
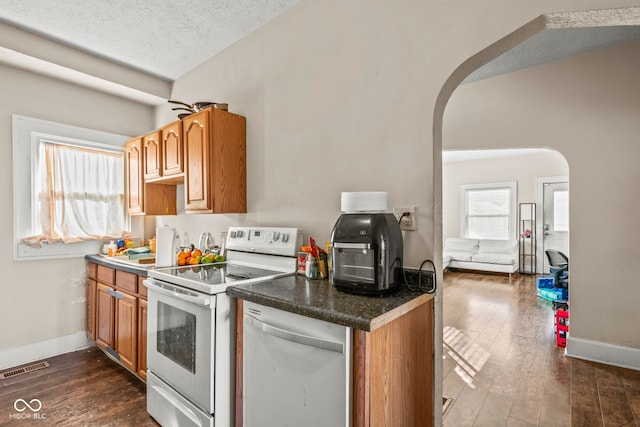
23	370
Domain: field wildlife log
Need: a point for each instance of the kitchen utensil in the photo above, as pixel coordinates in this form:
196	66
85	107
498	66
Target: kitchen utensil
185	109
182	103
205	242
316	254
198	106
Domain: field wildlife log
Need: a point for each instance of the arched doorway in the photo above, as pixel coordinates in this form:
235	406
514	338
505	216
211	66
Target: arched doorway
546	38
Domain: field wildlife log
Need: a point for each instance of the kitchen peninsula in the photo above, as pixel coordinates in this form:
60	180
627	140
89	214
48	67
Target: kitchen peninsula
392	345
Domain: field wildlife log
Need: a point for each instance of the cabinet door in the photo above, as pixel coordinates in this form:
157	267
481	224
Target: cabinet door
142	339
92	270
135	181
152	155
215	162
127	330
228	171
393	371
90	312
105	316
173	154
150	199
197	150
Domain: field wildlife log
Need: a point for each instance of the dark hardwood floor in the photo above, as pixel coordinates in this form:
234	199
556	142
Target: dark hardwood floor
83	388
502	366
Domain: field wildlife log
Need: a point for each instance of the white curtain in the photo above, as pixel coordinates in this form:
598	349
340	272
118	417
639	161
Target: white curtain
80	195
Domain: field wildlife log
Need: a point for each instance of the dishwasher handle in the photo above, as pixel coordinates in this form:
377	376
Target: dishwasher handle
307	340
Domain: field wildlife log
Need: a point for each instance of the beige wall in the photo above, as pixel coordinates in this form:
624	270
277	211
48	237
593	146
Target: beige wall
524	169
586	107
45	299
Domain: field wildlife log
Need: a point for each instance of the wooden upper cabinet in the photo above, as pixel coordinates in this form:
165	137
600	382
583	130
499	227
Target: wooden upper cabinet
198	155
206	151
173	158
146	198
152	161
135	182
215	162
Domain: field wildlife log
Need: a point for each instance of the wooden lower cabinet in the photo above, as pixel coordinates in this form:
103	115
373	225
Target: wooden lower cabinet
393	371
105	316
90	315
126	327
117	319
142	339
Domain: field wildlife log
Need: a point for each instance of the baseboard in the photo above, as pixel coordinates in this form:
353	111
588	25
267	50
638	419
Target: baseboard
609	354
28	353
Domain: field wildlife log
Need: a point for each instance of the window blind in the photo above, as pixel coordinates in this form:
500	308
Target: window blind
488	213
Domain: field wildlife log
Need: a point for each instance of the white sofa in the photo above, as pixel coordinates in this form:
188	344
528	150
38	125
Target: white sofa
499	256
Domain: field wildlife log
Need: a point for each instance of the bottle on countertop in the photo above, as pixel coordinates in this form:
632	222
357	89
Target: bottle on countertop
302	259
112	248
328	246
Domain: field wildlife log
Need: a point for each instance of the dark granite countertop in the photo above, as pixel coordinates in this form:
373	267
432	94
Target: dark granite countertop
318	299
129	267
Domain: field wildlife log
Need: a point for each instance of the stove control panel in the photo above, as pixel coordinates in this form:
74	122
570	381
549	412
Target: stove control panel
268	240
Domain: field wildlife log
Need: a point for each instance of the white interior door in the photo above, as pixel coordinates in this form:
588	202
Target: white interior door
555	219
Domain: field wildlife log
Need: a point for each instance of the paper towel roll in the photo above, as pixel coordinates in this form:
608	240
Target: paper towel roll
165	247
367	201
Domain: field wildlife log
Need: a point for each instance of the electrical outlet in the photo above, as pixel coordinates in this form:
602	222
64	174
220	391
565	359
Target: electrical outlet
408	222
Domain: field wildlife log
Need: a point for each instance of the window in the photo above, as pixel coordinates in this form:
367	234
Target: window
561	210
68	189
488	211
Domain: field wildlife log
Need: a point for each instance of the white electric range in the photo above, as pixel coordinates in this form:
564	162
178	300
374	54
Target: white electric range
191	325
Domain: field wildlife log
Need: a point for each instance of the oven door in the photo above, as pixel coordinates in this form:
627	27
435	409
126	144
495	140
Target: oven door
180	343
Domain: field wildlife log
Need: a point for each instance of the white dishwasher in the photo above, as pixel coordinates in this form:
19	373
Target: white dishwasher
296	370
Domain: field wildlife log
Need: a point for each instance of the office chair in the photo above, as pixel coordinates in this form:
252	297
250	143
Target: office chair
559	268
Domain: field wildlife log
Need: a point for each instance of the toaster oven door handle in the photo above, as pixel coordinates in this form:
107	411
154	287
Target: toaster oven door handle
294	337
344	245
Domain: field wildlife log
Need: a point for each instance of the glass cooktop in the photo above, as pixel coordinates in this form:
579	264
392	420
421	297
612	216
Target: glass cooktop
214	278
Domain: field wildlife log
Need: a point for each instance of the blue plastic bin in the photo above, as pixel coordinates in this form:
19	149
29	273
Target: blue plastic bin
546	290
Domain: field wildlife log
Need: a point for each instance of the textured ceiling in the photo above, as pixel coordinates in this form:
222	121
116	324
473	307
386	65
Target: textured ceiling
163	38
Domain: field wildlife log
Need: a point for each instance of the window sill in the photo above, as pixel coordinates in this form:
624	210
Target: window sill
24	252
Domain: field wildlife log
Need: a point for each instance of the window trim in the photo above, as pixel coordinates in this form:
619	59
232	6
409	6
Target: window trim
512	185
26	135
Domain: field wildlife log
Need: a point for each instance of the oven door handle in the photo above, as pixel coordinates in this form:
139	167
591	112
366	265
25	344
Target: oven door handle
176	293
295	337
